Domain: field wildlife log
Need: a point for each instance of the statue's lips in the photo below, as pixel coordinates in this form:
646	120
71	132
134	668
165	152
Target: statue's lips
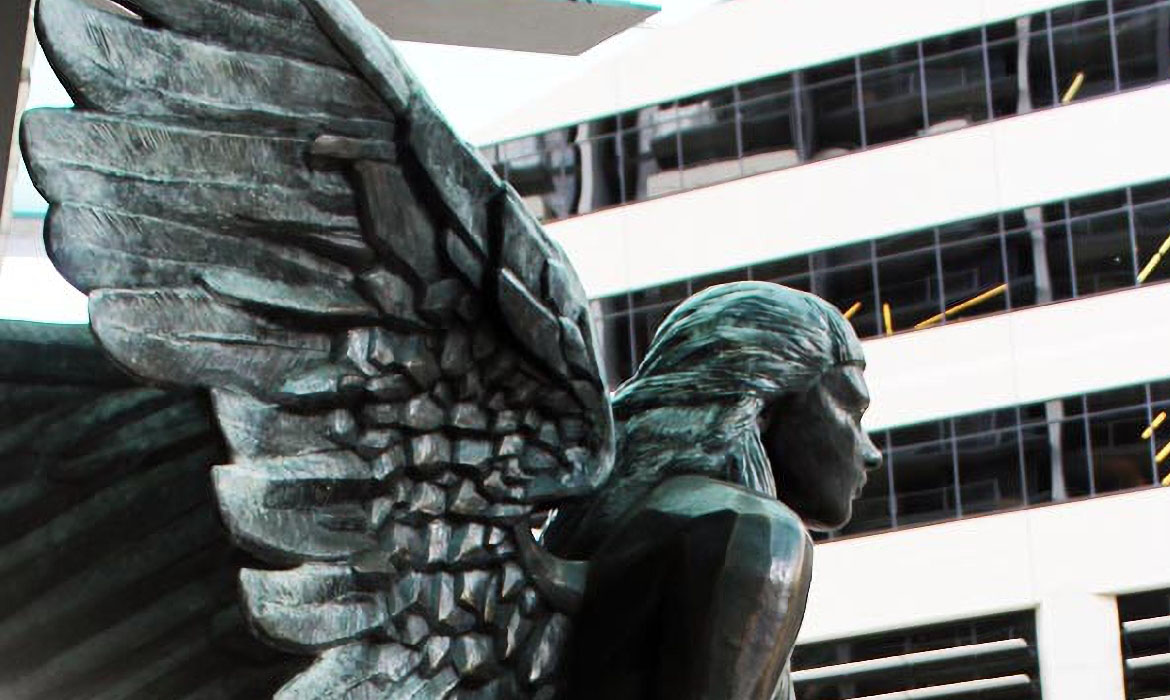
860	485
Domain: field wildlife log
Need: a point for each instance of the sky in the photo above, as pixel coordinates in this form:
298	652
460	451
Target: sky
473	87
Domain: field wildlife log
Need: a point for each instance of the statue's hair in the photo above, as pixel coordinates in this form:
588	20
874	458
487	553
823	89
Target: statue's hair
717	361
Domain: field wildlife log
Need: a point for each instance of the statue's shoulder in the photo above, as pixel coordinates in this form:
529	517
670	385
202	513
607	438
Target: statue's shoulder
688	500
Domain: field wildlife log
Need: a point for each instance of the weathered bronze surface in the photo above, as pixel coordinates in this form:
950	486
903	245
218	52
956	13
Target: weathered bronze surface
264	206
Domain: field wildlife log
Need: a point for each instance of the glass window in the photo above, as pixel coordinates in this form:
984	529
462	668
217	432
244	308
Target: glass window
956	83
601	176
1152	231
768	125
908	281
1143	45
1083	47
614	341
923	470
1037	462
1003	63
652	139
830	119
973	275
1058	250
989	462
644	324
1121	459
1020	249
891	88
1068	441
1035	44
1150	192
1103	254
699	135
844	277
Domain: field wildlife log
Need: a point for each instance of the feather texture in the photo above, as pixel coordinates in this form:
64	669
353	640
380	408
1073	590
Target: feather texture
400	359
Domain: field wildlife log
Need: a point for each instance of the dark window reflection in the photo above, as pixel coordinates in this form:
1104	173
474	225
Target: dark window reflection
1011	458
1083	47
831	121
971	268
908	281
891	88
1004	45
767	124
1143	43
922	458
956	83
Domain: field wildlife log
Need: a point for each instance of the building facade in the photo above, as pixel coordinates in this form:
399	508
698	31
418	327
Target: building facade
984	187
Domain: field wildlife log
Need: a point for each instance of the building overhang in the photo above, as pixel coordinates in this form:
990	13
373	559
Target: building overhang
567	27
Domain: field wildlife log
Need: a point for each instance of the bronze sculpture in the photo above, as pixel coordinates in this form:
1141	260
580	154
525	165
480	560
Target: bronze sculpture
262	202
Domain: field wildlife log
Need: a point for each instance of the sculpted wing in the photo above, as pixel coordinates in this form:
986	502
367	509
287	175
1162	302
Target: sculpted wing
115	575
259	199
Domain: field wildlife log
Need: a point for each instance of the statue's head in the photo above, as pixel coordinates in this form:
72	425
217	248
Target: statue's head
759	384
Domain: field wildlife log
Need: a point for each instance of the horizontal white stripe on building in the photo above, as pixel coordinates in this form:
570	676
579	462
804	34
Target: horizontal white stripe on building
1072	347
1100	144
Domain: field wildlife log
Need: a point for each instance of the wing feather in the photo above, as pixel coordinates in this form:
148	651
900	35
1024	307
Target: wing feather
121	66
401	360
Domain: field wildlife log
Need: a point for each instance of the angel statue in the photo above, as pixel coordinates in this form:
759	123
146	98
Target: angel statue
388	371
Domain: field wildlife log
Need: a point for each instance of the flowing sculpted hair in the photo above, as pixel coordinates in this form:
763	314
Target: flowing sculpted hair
717	361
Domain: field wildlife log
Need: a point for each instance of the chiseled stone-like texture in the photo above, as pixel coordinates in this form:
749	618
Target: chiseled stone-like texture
399	358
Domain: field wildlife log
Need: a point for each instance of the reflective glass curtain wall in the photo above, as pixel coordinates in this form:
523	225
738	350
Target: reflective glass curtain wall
1012	260
917	89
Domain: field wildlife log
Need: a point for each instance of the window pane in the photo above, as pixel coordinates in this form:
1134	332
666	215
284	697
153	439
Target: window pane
1152	228
1038	465
601	178
989	471
1067	438
972	269
892	96
1041	81
615	348
1084	48
670	294
644	323
655	142
1104	259
706	131
923	476
1143	45
908	282
1021	267
829	116
956	89
1058	249
1003	51
768	125
847	283
1121	459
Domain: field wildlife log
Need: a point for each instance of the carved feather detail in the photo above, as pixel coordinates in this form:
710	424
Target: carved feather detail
400	358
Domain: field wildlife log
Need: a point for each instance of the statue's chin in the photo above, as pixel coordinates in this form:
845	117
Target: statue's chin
828	522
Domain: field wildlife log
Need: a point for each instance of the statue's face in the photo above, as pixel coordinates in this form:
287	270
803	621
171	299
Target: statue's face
819	453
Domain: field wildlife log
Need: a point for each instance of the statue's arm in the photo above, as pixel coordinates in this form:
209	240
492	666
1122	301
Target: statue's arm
757	608
697	595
